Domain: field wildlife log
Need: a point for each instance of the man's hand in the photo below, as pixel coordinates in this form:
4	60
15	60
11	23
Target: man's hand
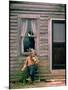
23	68
36	60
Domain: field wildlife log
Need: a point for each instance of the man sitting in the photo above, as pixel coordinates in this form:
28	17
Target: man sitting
30	63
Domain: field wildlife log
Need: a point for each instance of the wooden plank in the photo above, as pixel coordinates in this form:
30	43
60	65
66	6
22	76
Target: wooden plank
13	55
13	51
44	28
37	12
35	7
14	69
14	65
43	58
43	61
43	38
13	47
13	34
58	16
44	25
34	16
43	48
13	24
12	44
44	35
44	21
13	31
39	5
15	62
13	28
43	41
13	21
44	17
12	17
44	54
13	58
13	41
49	15
44	44
13	38
34	3
43	31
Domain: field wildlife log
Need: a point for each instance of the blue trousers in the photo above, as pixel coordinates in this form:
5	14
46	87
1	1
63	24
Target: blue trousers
31	71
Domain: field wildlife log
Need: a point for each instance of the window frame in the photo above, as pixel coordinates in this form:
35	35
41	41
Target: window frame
28	16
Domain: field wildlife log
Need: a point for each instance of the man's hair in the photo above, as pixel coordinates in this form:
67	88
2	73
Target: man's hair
33	51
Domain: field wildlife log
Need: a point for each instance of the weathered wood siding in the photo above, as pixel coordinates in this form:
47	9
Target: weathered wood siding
46	11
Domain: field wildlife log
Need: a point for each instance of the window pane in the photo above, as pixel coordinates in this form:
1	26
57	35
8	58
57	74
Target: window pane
58	32
29	41
29	28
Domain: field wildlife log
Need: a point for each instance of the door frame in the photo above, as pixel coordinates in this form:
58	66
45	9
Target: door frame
50	41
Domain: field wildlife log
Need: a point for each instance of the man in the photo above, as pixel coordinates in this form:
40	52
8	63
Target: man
30	63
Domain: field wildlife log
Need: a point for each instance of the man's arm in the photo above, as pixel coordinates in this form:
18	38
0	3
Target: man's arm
36	60
24	66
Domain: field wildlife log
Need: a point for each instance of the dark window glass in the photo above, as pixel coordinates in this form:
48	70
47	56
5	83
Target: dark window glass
29	41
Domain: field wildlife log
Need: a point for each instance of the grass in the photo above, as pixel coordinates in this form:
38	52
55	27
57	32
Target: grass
19	85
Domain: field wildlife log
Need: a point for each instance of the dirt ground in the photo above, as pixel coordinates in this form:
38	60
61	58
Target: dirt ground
37	84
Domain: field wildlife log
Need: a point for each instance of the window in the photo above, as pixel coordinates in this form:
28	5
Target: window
28	35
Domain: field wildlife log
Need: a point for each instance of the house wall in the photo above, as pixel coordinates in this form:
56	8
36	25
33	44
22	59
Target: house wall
46	11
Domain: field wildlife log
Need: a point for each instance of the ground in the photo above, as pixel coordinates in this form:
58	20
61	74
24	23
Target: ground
38	84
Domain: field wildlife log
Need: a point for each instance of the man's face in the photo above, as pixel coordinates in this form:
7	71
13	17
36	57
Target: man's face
33	54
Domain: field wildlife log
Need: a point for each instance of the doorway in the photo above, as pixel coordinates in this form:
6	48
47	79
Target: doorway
58	44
